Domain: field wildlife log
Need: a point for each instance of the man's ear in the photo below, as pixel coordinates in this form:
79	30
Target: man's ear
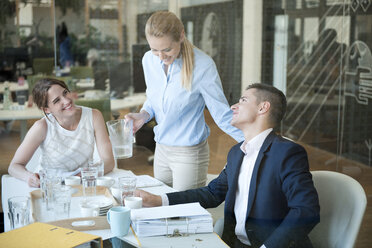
265	107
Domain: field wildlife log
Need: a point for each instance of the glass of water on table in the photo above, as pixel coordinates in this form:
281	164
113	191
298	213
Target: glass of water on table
127	186
89	180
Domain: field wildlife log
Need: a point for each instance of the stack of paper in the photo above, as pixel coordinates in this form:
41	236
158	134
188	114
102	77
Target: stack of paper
167	220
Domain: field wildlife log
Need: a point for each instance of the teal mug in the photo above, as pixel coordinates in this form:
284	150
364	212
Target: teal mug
119	220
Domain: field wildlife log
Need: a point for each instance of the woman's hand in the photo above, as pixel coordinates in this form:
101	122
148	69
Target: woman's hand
138	119
34	180
148	199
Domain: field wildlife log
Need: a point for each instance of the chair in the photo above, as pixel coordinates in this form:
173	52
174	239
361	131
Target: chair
81	72
43	65
342	204
102	105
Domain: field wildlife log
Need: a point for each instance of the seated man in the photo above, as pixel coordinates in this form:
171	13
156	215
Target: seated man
270	199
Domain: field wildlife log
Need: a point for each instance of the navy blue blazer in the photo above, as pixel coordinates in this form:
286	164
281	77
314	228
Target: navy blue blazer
283	204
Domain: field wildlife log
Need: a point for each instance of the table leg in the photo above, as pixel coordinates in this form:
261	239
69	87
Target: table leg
23	125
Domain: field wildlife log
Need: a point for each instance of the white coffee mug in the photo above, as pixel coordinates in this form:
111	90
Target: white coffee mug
72	180
90	210
133	202
116	193
105	181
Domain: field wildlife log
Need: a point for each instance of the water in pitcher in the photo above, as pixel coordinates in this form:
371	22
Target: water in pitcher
121	136
123	151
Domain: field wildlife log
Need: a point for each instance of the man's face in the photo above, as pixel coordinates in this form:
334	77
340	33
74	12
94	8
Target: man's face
245	112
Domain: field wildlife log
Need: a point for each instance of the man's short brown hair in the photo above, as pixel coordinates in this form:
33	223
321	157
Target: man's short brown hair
276	98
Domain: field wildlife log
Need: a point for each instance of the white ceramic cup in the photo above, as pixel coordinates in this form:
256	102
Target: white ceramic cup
133	202
105	181
72	180
90	210
116	193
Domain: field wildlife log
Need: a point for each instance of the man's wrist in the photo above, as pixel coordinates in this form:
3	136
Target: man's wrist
164	200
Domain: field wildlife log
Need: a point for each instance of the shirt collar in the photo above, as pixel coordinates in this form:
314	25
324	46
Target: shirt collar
254	145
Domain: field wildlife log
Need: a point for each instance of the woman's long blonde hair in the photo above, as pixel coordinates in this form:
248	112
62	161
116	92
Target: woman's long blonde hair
165	23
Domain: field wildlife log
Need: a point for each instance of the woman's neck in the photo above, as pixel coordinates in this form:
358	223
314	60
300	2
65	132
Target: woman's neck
165	68
72	122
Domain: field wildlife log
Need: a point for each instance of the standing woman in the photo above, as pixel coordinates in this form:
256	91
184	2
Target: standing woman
66	135
181	80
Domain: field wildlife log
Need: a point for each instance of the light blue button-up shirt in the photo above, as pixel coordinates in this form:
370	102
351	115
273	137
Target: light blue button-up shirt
179	112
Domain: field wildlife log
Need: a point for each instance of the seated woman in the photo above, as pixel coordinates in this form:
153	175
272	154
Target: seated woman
66	135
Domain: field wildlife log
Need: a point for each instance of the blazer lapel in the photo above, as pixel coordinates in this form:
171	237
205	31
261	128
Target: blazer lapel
257	164
236	162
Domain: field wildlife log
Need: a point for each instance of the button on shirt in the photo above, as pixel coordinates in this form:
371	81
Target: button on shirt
250	149
179	113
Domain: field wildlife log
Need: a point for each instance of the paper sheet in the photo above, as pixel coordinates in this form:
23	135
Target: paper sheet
180	210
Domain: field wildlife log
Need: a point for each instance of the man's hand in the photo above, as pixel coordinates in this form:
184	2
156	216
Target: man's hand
148	199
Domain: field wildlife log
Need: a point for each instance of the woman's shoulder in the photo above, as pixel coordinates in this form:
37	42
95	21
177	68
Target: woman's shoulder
40	127
201	58
42	123
147	56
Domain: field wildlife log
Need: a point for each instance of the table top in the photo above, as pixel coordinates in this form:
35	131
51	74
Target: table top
134	100
13	86
20	112
28	113
15	187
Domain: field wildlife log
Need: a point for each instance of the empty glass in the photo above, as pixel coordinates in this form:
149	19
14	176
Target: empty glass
121	136
19	211
51	183
43	178
89	179
62	202
127	186
99	165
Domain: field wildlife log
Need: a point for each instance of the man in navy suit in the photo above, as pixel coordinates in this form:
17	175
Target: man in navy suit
270	199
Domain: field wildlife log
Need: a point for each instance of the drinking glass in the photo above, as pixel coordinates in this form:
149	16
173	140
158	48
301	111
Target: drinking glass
62	202
53	180
121	136
19	211
99	165
43	178
89	179
127	186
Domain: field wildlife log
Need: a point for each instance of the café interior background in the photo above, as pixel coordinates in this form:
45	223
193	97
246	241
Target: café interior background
317	51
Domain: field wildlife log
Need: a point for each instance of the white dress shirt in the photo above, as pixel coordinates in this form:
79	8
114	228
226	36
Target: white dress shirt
179	113
250	149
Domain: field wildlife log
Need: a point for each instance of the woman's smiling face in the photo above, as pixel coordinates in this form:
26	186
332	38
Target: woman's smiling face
59	101
165	48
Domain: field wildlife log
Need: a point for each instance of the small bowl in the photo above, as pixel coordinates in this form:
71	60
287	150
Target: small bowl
105	181
72	180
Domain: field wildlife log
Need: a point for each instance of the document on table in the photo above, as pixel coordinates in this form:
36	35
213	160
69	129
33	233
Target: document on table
144	181
167	220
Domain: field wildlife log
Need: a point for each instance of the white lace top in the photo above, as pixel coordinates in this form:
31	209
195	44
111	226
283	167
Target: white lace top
65	149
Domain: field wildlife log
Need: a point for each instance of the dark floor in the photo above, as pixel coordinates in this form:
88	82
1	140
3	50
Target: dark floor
220	143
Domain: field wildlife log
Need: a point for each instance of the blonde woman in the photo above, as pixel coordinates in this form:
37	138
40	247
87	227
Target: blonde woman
181	81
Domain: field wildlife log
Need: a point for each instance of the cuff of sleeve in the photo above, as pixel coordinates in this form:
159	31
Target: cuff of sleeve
150	114
164	200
